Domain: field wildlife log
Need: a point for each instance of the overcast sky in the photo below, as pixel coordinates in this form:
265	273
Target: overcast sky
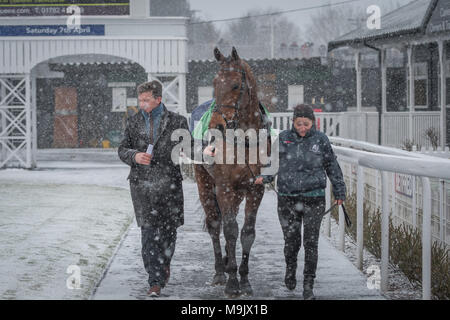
223	9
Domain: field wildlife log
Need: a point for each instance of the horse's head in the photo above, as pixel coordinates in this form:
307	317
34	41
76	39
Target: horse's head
234	92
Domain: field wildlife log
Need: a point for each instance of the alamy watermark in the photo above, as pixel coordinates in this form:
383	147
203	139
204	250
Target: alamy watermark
74	20
73	282
233	147
373	282
374	20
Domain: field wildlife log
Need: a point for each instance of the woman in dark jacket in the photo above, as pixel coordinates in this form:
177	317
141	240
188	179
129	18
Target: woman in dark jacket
306	159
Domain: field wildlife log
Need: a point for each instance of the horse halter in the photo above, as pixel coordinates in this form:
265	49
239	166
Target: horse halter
233	123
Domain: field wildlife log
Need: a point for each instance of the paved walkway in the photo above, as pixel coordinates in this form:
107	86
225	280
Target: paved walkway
193	263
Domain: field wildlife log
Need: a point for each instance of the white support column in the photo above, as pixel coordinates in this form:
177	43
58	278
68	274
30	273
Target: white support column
383	94
15	132
383	81
411	89
29	135
443	117
182	94
3	135
140	8
34	121
358	80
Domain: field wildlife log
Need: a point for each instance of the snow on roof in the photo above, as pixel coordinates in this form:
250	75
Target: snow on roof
88	59
257	59
410	18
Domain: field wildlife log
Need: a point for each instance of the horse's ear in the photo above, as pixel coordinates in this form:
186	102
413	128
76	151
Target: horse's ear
219	56
234	54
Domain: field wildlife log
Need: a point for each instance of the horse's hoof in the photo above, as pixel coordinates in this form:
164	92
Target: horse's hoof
233	295
246	289
219	279
232	289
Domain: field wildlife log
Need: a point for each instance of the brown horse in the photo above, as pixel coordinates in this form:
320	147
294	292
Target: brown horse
222	187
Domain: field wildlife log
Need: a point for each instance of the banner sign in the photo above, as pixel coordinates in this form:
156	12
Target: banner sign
32	8
404	184
52	30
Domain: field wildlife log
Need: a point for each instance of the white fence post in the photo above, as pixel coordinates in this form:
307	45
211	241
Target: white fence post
426	239
414	202
328	205
384	232
442	202
341	230
360	217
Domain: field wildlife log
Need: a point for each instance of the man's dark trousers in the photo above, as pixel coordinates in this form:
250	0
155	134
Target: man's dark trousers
158	247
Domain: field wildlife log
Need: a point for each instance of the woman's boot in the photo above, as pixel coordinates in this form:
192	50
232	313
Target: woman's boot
290	279
308	285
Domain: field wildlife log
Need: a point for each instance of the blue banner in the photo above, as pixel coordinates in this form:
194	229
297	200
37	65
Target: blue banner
52	30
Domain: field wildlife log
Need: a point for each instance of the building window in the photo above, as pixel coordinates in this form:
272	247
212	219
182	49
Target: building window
119	100
204	94
295	96
420	85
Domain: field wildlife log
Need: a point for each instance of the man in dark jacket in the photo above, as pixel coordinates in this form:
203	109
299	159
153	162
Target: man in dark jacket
305	160
155	181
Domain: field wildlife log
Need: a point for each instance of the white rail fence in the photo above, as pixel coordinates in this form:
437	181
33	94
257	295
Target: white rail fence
364	126
434	153
396	127
405	190
396	162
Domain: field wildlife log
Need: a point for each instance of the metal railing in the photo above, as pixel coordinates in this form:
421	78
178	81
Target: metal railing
399	162
364	125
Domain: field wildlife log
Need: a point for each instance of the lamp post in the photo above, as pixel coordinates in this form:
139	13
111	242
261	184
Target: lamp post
272	35
272	38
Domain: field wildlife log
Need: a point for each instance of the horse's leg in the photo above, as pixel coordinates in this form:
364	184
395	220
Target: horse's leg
253	200
213	220
229	205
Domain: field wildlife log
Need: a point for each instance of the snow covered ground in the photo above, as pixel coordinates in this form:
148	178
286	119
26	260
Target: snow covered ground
63	214
77	212
192	267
